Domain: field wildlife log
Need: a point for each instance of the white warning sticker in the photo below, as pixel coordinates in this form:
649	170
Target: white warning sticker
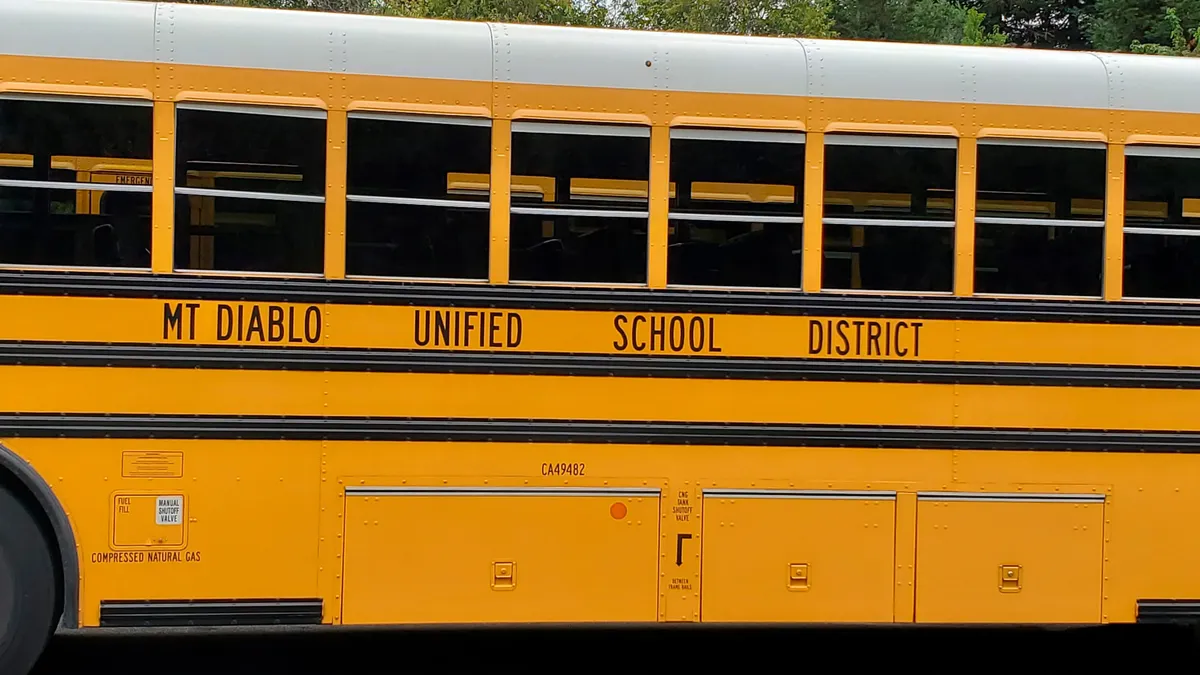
169	511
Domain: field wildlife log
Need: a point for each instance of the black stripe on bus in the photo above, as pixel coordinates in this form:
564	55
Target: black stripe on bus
1168	611
257	427
161	613
584	365
318	291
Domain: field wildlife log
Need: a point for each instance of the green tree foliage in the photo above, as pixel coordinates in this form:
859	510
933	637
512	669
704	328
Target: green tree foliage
1147	24
930	21
744	17
1169	27
559	12
1182	43
556	12
1057	24
939	21
344	6
975	34
809	18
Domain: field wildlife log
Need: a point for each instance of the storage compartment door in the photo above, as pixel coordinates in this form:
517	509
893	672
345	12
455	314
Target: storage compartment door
786	555
1009	558
479	555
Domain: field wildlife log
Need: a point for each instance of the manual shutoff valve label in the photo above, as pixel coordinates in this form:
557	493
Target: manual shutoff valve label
169	511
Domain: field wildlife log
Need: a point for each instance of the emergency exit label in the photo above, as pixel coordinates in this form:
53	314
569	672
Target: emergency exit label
169	511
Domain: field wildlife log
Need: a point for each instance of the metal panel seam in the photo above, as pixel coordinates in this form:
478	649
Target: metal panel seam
1068	498
492	69
1107	80
780	493
467	491
809	87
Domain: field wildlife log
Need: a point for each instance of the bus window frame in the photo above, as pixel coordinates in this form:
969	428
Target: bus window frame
266	110
611	129
1100	223
1164	151
90	189
479	205
861	138
728	135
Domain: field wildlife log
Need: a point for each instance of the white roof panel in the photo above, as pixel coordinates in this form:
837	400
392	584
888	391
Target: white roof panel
882	70
1040	77
78	29
1158	83
323	43
639	60
575	56
950	74
397	47
248	38
725	64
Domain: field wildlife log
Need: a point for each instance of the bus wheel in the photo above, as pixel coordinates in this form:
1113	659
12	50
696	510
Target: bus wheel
27	588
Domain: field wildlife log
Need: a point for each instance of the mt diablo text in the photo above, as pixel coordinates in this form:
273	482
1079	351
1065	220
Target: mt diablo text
559	331
243	323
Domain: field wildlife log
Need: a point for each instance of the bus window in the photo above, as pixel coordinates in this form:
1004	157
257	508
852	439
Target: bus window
1039	217
592	225
250	186
418	196
889	213
1162	222
50	152
737	204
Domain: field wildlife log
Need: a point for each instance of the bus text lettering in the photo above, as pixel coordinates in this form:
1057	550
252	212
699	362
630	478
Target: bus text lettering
456	328
675	334
861	337
268	323
174	320
240	322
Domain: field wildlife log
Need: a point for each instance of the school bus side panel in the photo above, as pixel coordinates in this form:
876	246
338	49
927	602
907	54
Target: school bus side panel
1150	544
185	520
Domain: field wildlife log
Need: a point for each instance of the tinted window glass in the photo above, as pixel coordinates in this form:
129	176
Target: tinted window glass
75	181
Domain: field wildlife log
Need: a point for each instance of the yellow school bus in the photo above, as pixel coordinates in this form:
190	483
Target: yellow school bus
449	322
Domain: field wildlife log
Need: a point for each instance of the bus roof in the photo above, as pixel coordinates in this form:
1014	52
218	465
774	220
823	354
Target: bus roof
585	57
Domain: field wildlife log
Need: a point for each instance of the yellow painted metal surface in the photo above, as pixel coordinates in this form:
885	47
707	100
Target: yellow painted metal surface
269	519
49	389
787	557
1114	224
517	556
680	555
482	329
250	512
335	194
814	191
151	464
964	216
266	518
659	190
149	520
905	596
162	250
501	200
996	561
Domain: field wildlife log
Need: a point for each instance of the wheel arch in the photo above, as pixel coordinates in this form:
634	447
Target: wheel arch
51	516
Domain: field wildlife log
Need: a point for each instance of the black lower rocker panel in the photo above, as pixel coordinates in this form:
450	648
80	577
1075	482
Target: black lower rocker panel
159	613
1168	611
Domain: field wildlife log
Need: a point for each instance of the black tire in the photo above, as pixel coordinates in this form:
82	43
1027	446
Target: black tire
27	588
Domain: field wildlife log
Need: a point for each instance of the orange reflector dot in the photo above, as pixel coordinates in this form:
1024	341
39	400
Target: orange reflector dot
618	510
